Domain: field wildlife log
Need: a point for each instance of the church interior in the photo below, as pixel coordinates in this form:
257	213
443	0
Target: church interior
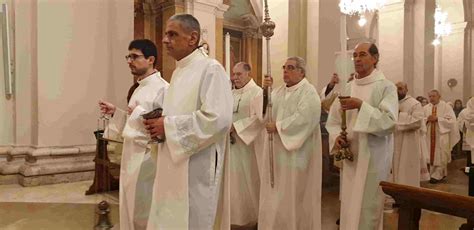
60	57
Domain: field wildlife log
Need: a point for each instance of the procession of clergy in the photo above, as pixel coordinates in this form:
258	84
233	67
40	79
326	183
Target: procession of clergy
213	168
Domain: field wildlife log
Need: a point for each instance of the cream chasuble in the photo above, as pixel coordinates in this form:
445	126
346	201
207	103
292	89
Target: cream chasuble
370	132
466	125
408	157
244	177
295	201
441	137
190	163
137	167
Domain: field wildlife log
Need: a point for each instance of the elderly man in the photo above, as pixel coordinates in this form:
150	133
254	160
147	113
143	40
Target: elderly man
137	169
409	165
442	134
372	110
244	177
197	116
295	200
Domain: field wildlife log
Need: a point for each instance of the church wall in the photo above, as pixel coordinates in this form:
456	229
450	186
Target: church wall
452	64
82	63
391	41
6	104
329	41
312	43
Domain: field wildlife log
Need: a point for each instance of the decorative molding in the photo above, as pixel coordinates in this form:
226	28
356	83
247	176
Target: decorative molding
220	10
458	27
392	7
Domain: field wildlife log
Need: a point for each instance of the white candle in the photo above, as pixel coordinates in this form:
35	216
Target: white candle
343	75
227	53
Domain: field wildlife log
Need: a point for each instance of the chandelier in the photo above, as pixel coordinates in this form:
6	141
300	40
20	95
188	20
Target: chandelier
442	27
354	7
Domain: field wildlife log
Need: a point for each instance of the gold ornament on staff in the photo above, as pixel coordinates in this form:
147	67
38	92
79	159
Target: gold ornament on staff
267	28
344	152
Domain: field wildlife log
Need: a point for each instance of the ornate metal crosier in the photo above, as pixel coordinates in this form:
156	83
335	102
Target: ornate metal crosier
267	28
344	152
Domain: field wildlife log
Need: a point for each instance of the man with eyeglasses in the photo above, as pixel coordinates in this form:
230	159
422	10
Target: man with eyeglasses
295	200
246	126
137	167
197	116
372	112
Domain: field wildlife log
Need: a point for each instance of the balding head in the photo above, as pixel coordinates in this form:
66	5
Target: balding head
402	90
241	74
366	57
434	96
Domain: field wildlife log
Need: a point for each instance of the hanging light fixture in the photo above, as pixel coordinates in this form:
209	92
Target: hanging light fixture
354	7
362	21
442	27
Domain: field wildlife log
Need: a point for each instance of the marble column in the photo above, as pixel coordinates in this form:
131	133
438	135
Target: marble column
396	41
423	50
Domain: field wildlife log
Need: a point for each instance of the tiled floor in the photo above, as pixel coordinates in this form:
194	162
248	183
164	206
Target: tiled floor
64	206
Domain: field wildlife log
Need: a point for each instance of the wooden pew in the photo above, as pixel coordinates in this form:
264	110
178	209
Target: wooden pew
413	199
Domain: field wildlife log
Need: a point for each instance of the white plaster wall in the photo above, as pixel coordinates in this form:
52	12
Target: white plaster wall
26	89
204	11
391	40
80	64
6	103
312	42
423	50
452	66
329	41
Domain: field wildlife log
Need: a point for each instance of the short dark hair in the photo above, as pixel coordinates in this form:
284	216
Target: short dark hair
147	47
374	51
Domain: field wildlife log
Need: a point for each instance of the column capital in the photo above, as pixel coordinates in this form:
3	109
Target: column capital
458	27
395	5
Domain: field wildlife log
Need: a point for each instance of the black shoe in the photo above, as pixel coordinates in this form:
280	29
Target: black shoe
338	221
433	181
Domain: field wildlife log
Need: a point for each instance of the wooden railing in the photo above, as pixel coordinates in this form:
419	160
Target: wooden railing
413	199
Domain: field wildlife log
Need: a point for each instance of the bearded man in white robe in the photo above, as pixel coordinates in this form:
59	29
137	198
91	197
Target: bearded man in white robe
295	200
372	111
246	126
409	164
466	125
137	167
197	116
441	136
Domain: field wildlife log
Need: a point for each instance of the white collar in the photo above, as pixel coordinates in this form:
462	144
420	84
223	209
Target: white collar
150	78
195	55
246	87
295	87
376	75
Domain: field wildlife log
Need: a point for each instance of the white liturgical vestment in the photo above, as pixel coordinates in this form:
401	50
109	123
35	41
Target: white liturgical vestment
137	167
370	133
441	136
244	177
295	201
408	156
190	163
466	125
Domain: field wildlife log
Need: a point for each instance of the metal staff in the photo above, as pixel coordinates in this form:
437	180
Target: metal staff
267	28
